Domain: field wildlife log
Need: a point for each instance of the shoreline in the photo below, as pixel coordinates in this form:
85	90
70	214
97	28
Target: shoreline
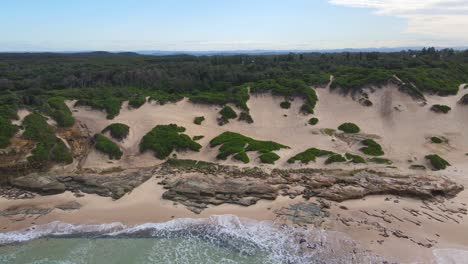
136	208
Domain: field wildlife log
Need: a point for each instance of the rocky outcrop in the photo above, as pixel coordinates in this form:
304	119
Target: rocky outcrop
197	191
196	188
114	186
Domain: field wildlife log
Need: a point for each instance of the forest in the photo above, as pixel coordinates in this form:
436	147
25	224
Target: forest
42	81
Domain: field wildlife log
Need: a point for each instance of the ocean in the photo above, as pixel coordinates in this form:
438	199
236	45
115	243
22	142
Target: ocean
217	239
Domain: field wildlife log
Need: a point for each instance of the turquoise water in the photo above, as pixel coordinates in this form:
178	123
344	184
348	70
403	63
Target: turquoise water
218	239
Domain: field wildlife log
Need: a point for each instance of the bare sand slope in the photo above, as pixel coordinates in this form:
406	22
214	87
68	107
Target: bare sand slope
403	125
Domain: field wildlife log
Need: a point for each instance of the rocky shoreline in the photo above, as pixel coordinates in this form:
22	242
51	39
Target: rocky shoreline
199	184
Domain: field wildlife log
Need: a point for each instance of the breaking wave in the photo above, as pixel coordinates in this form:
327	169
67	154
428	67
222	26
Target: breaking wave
217	239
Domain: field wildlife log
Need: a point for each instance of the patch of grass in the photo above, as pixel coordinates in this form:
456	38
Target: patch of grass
355	158
329	131
310	155
269	158
60	112
117	130
7	131
164	139
245	116
242	156
335	158
49	148
380	161
285	104
198	120
234	143
349	128
137	101
371	148
310	101
313	121
107	146
437	162
110	104
436	140
225	114
437	108
196	138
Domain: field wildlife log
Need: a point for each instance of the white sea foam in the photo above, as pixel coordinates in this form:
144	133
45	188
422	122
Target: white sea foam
245	237
450	256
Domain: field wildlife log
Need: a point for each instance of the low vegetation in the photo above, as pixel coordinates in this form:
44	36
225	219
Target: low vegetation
310	155
164	139
355	158
313	121
225	114
49	148
380	161
269	157
349	128
196	138
371	148
437	140
7	131
437	162
107	146
235	143
443	109
117	130
137	101
242	156
285	104
59	111
199	120
246	117
335	158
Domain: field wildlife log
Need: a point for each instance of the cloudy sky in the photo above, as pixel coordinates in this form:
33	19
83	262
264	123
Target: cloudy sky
57	25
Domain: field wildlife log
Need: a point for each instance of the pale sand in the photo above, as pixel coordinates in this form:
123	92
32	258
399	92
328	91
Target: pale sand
404	135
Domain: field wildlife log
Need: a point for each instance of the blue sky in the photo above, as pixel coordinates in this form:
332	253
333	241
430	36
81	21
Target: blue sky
70	25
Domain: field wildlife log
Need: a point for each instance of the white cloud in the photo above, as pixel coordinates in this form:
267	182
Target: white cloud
435	18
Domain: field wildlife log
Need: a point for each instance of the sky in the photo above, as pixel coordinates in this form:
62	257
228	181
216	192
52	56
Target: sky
202	25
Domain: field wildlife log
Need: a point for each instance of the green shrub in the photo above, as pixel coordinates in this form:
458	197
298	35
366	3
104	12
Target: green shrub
355	158
245	116
242	156
60	112
233	143
225	114
436	140
49	148
310	155
310	101
107	146
163	139
110	104
371	148
285	104
137	101
380	161
196	138
437	108
350	128
269	157
335	158
7	131
437	162
199	120
117	130
313	121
